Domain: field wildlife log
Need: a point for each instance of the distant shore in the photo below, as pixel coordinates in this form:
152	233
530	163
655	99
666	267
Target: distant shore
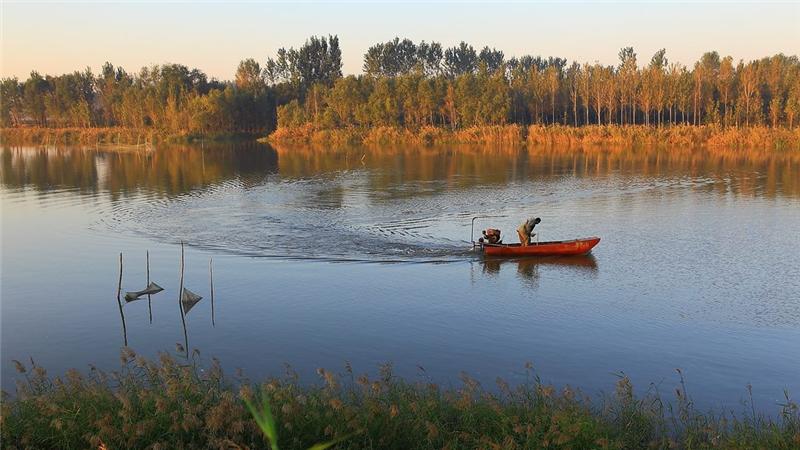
106	136
712	137
606	135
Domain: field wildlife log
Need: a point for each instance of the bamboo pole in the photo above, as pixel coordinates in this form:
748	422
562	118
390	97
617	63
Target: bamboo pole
119	303
149	304
211	276
180	305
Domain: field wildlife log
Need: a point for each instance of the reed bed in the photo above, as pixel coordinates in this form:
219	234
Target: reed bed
709	136
180	403
116	136
427	135
68	136
712	137
753	138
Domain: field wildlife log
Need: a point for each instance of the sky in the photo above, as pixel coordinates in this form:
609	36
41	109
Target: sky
62	36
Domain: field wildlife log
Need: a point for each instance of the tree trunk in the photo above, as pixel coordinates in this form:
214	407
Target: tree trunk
747	112
598	111
633	109
725	110
575	110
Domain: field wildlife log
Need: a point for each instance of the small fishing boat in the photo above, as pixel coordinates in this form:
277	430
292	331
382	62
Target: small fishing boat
496	247
552	248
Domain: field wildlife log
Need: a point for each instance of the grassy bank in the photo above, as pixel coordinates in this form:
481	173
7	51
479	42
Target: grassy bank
753	138
178	404
499	134
694	136
102	136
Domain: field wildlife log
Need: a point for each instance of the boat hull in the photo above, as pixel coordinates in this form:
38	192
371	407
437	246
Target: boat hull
556	248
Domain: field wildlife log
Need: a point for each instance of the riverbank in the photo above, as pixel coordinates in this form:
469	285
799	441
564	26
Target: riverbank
716	138
181	404
596	135
105	136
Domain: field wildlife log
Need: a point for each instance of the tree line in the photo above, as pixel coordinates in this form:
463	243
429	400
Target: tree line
409	84
171	98
413	85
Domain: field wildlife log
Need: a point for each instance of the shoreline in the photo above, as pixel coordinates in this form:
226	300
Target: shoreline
778	139
710	137
108	136
177	402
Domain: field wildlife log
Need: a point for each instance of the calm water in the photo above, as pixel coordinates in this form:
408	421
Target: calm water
324	256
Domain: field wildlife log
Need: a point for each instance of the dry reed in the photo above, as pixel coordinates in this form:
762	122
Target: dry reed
183	404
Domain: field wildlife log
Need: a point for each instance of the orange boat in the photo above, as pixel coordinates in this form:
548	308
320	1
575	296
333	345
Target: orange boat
553	248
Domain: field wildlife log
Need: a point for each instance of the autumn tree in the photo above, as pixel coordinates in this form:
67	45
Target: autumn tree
11	103
573	86
319	60
628	74
460	60
725	86
408	84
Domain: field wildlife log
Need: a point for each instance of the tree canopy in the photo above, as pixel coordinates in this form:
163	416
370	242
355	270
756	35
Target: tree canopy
411	84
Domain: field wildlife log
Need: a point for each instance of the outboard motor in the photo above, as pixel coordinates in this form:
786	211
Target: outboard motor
490	236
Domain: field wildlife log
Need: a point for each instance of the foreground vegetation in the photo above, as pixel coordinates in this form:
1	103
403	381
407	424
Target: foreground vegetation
179	404
414	88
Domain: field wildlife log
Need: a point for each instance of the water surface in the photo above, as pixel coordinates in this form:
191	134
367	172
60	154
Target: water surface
324	255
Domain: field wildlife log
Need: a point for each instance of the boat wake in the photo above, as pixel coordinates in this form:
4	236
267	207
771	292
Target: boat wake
328	218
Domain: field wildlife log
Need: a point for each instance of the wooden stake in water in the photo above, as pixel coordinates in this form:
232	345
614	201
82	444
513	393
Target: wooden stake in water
211	276
119	303
149	305
180	305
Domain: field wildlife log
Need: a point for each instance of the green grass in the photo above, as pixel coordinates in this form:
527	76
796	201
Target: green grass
179	403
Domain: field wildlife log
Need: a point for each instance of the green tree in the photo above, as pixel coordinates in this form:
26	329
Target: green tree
319	60
628	74
249	77
573	86
725	86
460	60
552	79
382	103
392	58
492	58
749	95
344	98
35	90
792	108
11	102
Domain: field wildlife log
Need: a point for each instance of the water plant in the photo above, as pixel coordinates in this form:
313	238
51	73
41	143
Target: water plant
266	423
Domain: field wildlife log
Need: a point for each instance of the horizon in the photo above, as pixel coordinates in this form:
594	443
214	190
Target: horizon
136	35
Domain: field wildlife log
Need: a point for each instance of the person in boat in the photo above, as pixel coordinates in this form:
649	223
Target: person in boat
525	231
491	236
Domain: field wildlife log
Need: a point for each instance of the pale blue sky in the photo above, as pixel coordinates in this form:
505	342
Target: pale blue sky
58	37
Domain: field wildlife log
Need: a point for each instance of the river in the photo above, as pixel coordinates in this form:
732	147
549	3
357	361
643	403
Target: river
326	256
